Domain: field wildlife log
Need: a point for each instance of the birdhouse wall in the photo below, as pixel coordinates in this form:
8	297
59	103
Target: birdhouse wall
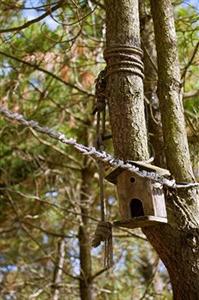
129	187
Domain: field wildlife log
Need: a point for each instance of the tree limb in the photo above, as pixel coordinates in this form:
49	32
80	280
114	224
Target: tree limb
191	94
27	24
37	67
190	61
58	269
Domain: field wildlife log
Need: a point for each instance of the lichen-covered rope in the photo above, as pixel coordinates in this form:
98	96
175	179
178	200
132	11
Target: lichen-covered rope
102	156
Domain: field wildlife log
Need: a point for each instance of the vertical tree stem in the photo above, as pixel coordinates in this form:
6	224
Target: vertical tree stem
124	89
83	235
169	91
59	269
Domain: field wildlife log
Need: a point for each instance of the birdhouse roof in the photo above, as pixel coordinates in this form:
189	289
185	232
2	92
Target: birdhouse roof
144	167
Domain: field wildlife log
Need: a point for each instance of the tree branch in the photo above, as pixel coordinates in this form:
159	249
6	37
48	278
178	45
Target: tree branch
27	24
37	67
191	94
98	273
29	234
56	206
190	61
150	58
54	147
58	269
55	234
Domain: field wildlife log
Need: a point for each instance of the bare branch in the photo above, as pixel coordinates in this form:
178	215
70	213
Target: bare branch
37	67
58	270
27	24
28	233
131	234
154	65
190	61
62	210
99	273
54	147
55	234
191	94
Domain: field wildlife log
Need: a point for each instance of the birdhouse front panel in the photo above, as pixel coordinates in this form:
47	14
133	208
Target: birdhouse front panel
159	200
135	195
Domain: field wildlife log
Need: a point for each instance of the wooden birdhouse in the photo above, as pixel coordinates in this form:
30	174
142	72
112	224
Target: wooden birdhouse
141	199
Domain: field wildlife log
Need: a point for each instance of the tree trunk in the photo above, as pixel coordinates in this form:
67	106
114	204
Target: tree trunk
83	235
177	245
176	242
169	91
125	89
154	124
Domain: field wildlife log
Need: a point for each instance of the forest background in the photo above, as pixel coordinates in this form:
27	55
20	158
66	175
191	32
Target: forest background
49	194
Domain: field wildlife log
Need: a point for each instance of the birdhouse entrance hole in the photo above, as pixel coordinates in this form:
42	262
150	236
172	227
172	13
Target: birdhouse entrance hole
136	208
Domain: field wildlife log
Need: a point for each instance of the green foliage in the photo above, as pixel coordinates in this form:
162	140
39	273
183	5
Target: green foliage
187	26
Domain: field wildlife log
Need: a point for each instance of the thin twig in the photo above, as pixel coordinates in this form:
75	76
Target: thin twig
150	58
190	61
55	234
7	230
151	278
99	273
38	68
131	234
27	24
54	147
28	233
62	210
190	94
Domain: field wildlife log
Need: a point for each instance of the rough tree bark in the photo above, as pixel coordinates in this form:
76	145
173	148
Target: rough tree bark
169	91
176	242
125	90
154	124
153	117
